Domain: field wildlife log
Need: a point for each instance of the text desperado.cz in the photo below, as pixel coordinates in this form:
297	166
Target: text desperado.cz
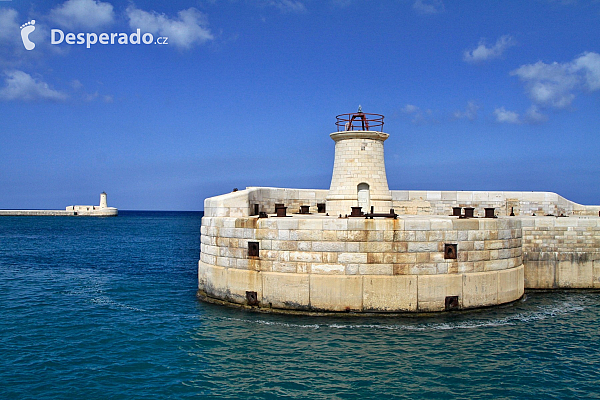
57	36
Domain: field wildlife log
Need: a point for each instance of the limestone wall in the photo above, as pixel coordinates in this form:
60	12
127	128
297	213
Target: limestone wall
409	202
524	203
561	252
326	263
241	203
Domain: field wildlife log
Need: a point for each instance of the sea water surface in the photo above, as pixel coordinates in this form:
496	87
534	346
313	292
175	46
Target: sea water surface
106	308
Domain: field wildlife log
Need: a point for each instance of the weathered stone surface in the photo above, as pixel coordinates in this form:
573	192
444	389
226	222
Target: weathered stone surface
336	293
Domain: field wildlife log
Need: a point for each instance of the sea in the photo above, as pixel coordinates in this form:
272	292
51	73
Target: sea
106	308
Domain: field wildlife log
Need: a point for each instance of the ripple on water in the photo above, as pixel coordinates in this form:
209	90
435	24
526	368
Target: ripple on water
120	319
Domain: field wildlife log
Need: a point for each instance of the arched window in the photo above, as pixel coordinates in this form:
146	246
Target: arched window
364	198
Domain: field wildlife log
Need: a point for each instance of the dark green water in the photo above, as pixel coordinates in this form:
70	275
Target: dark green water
105	308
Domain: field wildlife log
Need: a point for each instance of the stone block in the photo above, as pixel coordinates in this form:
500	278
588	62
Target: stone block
540	274
352	258
328	269
433	290
441	224
310	224
480	289
287	291
465	224
305	256
575	274
389	293
240	281
411	224
414	247
213	280
376	269
510	284
285	267
596	273
329	246
336	292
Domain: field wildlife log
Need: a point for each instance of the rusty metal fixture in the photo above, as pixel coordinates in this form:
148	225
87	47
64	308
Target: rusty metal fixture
253	249
451	303
281	211
252	298
364	122
304	209
512	211
469	212
263	214
320	207
456	211
450	251
356	212
372	214
278	205
490	212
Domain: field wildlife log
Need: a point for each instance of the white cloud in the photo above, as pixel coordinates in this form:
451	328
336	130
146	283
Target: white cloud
534	116
409	109
505	116
186	30
470	112
9	27
288	5
418	116
90	14
555	84
428	6
22	86
589	65
483	53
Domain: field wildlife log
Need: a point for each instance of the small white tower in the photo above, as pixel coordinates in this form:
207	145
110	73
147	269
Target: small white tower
103	200
359	177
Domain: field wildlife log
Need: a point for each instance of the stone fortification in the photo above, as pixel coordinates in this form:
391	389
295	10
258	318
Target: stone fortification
317	263
101	210
299	250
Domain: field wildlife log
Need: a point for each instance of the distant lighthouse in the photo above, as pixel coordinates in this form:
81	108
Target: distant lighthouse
103	203
359	177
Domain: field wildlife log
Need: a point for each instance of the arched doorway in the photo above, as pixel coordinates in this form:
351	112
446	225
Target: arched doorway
364	198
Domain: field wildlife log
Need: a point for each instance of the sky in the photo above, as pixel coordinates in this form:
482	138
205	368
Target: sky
477	95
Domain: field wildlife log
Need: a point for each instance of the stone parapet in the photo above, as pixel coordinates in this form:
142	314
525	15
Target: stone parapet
436	202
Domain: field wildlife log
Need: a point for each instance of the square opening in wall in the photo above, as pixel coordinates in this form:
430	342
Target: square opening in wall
450	251
253	249
451	303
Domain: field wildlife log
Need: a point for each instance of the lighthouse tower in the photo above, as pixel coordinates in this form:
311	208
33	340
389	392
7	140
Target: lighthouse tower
103	200
359	177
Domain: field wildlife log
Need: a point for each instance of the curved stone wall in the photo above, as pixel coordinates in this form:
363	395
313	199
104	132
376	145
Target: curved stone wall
318	263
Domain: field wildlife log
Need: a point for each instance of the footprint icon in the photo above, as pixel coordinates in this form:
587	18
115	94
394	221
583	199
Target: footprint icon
26	29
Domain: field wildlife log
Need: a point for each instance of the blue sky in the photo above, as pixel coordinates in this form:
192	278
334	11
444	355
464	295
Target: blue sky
477	95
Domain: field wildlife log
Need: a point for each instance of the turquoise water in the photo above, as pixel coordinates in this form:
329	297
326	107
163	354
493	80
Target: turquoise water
105	308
